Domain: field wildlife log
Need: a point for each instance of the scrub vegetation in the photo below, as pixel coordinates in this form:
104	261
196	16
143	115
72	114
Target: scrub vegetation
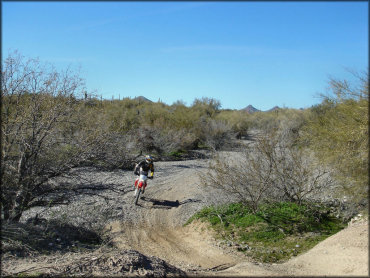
51	125
273	233
299	163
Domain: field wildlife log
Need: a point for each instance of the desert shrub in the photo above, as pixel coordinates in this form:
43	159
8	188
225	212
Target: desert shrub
182	117
206	106
238	121
161	141
159	128
217	134
282	119
273	168
120	118
47	129
337	130
273	233
118	151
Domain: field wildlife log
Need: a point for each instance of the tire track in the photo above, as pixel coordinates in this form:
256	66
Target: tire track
161	214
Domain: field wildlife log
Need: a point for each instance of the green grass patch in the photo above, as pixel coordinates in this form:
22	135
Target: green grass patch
275	232
177	153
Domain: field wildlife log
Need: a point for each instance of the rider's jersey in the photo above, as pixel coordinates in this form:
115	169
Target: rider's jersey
143	168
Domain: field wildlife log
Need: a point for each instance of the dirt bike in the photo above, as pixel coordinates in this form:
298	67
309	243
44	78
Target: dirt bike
139	184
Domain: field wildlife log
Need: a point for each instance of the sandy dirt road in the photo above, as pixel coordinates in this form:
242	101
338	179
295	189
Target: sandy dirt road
155	228
170	199
176	193
343	254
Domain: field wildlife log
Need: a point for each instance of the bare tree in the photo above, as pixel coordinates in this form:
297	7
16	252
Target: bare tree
296	175
45	131
272	169
161	141
217	134
244	177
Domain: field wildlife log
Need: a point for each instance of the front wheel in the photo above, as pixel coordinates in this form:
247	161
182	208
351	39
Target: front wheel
137	195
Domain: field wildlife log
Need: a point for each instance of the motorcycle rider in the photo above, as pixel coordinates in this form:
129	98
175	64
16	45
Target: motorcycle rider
142	170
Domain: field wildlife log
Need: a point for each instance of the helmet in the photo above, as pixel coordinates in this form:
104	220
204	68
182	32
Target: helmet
149	159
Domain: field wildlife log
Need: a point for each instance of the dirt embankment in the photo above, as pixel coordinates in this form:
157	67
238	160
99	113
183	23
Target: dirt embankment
192	248
154	233
169	201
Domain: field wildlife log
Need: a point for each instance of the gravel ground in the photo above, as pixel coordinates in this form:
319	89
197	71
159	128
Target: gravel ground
153	227
150	240
97	209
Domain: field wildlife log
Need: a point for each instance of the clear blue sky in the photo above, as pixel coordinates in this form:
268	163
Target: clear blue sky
241	53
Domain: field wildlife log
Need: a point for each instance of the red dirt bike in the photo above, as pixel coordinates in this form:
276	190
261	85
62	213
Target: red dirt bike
140	185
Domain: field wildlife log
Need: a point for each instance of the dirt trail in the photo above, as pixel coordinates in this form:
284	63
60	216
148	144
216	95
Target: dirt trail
170	199
156	228
158	231
343	254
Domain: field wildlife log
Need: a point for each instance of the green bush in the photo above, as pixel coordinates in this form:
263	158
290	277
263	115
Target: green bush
293	218
337	130
274	231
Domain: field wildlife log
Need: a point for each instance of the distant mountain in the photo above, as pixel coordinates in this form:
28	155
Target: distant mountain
142	99
250	109
273	109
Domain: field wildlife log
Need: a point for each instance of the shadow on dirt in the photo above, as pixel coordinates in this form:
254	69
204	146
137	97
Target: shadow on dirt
193	166
182	166
249	138
39	235
166	204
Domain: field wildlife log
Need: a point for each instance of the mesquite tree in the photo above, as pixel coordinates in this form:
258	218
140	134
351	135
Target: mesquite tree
273	168
45	131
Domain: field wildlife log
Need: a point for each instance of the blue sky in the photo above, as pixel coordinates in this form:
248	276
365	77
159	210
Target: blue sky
241	53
